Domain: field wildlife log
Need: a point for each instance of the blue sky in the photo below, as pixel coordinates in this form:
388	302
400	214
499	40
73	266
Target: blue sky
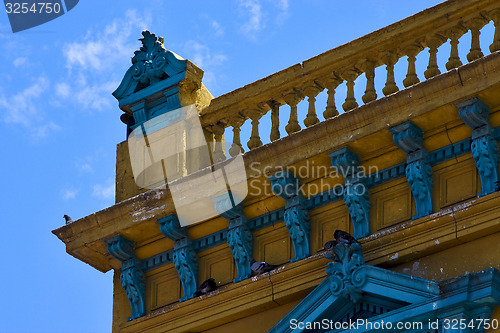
60	125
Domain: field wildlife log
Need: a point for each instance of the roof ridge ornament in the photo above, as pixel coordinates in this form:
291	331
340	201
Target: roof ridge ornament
154	70
149	60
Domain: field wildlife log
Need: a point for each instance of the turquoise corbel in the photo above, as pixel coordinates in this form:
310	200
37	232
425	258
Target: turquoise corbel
296	214
409	138
131	276
475	114
355	191
184	256
239	237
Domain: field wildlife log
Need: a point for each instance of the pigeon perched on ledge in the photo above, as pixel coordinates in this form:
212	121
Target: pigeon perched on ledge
340	237
68	219
261	267
344	237
206	287
329	245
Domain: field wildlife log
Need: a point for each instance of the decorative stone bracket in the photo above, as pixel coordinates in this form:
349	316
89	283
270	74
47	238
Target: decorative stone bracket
356	195
296	214
131	276
184	257
239	237
345	274
409	138
475	114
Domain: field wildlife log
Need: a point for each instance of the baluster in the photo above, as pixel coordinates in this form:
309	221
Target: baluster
411	76
218	130
475	26
454	34
236	123
390	58
275	120
311	92
433	42
495	16
331	83
368	66
292	98
349	76
255	114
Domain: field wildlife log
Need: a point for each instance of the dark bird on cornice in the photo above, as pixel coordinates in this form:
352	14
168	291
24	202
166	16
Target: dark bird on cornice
68	219
206	287
261	267
344	237
340	237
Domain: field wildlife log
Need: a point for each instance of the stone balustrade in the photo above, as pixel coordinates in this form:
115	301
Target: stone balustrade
283	91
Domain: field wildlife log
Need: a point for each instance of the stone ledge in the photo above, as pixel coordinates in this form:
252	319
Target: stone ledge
413	240
478	78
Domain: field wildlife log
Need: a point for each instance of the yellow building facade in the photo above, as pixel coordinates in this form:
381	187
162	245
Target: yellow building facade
413	175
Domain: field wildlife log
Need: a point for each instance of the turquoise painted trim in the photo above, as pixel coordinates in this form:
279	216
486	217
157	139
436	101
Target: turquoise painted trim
394	297
475	114
238	235
356	196
409	138
276	216
157	260
184	257
151	64
131	275
345	273
296	215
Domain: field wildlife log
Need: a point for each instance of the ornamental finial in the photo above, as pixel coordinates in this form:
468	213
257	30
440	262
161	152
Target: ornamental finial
149	61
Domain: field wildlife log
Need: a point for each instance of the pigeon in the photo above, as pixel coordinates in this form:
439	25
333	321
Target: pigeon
68	219
261	267
329	245
344	237
206	287
340	237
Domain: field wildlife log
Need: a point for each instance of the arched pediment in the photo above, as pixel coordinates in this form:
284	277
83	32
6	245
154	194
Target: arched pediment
360	297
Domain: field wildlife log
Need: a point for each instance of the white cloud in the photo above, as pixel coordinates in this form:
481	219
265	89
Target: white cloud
97	96
284	13
62	89
69	193
23	109
283	4
203	57
99	50
218	29
85	167
104	192
20	61
43	131
91	59
253	13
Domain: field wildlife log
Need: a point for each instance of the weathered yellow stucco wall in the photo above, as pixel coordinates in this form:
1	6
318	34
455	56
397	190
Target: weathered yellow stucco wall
461	236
